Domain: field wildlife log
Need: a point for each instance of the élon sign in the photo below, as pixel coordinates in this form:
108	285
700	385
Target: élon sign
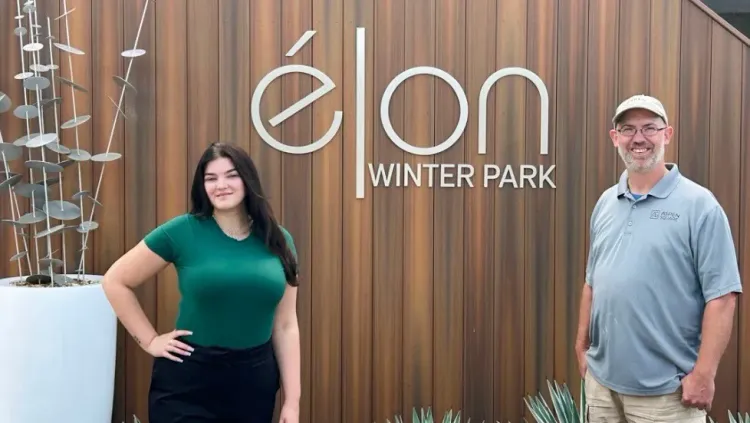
405	173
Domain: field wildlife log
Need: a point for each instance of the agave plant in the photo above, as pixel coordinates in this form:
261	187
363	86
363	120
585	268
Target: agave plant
732	419
562	402
425	416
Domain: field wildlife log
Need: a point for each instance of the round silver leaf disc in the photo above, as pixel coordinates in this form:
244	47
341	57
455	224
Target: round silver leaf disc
87	226
79	155
24	75
9	182
46	262
26	111
58	148
50	231
72	123
18	256
20	31
23	140
79	194
68	82
123	83
137	52
5	102
36	82
105	157
68	49
39	68
51	101
42	140
45	166
33	47
26	190
9	151
31	218
62	210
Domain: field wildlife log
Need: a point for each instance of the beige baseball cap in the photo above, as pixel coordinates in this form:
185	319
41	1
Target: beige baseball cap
641	101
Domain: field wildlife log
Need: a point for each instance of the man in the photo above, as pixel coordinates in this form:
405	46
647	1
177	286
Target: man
662	278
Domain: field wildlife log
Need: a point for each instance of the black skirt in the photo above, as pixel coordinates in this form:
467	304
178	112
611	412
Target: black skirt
215	385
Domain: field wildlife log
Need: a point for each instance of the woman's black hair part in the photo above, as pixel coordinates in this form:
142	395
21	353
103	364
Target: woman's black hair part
257	206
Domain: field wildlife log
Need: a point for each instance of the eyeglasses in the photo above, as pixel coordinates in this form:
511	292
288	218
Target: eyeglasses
648	131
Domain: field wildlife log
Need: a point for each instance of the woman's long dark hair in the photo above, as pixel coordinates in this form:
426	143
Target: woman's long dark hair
258	208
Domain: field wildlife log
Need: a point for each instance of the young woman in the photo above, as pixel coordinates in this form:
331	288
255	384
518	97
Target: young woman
236	340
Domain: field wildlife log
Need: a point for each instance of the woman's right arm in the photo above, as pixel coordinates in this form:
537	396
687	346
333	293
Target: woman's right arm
131	270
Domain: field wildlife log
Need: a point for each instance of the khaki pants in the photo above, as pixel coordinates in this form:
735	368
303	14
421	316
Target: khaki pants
606	406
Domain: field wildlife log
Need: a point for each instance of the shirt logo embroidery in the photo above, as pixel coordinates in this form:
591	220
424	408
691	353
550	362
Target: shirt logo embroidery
664	215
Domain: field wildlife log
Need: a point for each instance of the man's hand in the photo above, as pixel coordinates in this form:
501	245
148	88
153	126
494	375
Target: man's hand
698	391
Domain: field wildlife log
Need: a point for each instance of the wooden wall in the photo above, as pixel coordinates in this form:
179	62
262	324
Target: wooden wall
463	298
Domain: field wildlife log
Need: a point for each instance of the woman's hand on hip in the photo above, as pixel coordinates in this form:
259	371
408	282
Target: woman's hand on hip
168	346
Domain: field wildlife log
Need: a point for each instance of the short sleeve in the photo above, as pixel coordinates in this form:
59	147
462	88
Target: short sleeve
161	240
591	260
714	255
592	252
290	242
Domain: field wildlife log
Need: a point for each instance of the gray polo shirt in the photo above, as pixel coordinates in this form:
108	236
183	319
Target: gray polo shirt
654	262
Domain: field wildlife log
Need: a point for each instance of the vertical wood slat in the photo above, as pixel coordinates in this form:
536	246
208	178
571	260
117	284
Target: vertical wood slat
510	214
743	370
203	79
695	83
263	44
448	261
570	156
296	180
357	273
140	193
664	64
478	204
327	56
78	69
171	131
234	72
108	42
633	51
388	220
377	282
419	96
724	162
540	222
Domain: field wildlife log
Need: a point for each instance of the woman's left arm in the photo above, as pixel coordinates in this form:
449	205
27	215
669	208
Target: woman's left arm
287	347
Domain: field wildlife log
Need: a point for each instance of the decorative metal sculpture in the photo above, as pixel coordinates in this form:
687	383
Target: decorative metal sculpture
55	214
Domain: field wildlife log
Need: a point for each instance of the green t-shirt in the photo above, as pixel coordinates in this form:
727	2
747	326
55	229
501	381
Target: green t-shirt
229	289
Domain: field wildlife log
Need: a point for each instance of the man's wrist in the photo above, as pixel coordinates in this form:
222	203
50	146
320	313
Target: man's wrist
705	370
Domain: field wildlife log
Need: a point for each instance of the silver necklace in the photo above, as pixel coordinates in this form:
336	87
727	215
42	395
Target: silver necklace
238	234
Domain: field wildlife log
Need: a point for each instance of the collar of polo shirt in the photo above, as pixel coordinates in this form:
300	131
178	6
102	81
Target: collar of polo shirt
662	189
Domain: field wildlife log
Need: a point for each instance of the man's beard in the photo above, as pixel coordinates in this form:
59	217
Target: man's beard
633	165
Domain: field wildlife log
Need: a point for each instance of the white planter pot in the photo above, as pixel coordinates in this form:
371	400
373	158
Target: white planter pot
57	354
